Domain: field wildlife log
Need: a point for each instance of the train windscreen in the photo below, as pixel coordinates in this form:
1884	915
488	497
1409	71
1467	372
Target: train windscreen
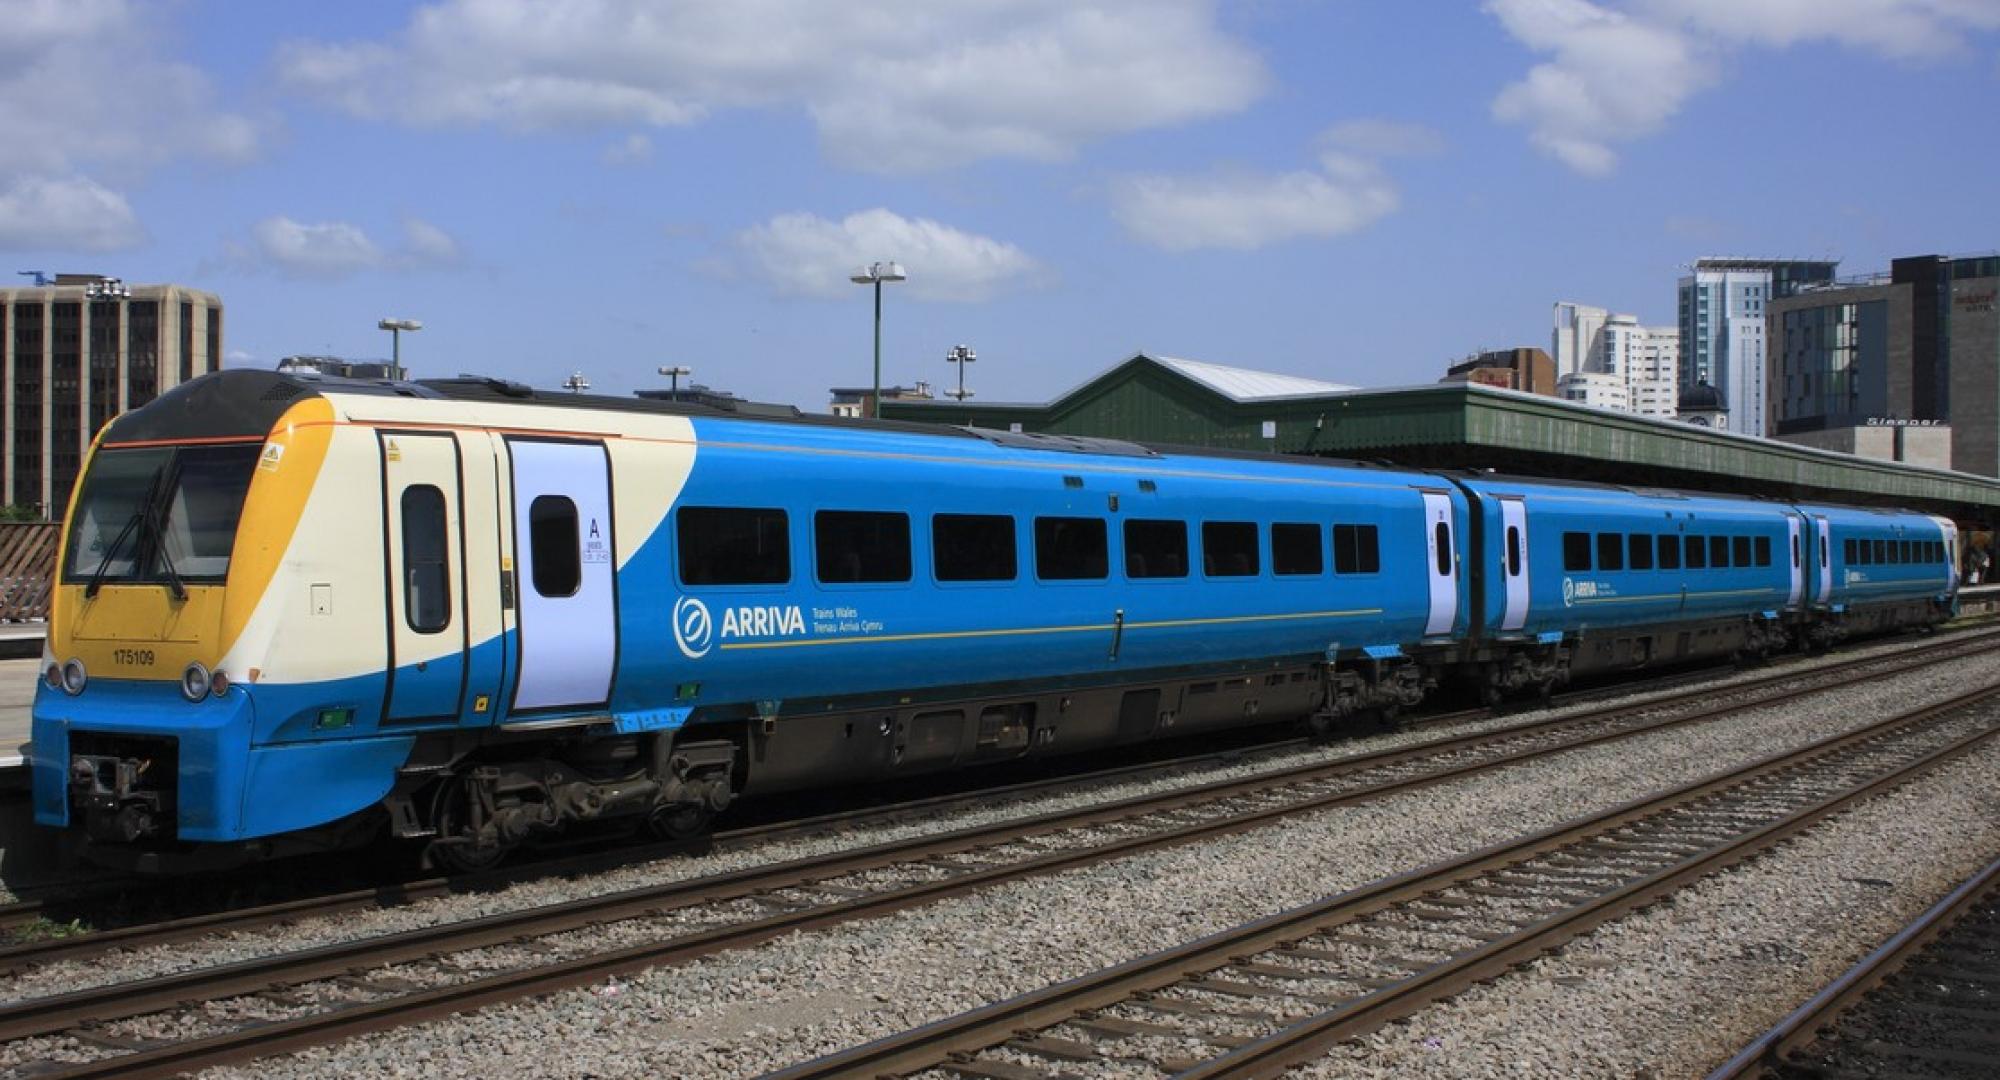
159	514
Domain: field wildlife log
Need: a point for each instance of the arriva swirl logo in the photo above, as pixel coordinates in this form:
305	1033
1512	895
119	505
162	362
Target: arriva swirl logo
694	630
1569	595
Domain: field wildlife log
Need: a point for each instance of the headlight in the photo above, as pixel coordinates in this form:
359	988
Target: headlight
53	676
73	676
194	682
218	683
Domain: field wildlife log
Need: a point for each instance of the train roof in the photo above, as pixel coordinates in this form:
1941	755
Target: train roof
249	402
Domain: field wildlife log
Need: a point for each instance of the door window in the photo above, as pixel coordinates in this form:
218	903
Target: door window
426	564
553	541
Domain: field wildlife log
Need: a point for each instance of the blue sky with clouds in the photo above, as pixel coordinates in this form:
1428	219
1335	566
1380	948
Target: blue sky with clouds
1358	190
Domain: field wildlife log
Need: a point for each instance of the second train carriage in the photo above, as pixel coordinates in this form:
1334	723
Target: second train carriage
297	612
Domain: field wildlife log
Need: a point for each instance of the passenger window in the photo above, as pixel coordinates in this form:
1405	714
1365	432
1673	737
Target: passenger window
1847	549
1697	553
1295	549
1763	550
1441	541
1576	551
1610	551
1903	546
555	547
426	562
730	545
853	546
1355	550
1718	552
1740	546
1639	551
1513	551
1229	548
1155	549
1670	552
1070	549
1881	552
972	547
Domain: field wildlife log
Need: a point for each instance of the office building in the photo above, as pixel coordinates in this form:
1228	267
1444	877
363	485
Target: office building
1903	365
345	368
77	350
1525	368
1722	308
852	401
1612	362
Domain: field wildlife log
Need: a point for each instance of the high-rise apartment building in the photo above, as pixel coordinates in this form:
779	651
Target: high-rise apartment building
80	351
1903	365
1722	341
1616	363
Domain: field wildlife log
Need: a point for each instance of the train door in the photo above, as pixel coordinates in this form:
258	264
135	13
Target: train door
423	515
1798	564
1823	540
563	544
1514	560
1441	564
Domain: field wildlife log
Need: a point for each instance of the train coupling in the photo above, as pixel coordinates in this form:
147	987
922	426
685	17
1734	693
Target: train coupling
118	799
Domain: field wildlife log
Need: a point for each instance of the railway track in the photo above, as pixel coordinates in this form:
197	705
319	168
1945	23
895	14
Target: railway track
1273	994
61	913
1924	1004
324	994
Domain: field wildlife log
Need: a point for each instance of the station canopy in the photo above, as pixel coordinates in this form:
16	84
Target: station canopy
1168	401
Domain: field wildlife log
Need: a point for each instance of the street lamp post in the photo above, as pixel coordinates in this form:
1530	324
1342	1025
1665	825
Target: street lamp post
396	328
960	355
675	372
875	274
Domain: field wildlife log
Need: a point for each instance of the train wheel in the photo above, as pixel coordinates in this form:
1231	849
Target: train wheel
462	845
680	822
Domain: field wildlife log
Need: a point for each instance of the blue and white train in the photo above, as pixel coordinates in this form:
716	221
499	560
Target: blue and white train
296	613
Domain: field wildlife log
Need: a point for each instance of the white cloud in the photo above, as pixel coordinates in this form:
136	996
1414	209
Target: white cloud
1244	211
1896	28
425	244
1618	73
1247	211
806	255
892	84
335	249
1384	139
43	213
89	100
633	149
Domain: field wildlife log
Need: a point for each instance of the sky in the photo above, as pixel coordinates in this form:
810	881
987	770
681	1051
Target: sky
1361	191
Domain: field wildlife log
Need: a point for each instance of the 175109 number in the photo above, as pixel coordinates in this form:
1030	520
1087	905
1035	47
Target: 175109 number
132	657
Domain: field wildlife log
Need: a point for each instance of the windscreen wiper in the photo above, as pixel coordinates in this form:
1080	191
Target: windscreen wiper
166	560
154	510
104	561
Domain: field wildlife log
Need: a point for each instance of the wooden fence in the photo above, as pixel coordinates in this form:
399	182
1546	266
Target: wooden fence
27	567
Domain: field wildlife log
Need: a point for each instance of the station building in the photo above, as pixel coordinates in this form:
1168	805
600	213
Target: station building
75	353
1903	365
1460	425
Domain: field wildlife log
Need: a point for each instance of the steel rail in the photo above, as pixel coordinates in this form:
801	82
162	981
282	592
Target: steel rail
52	1015
955	1038
1768	1050
21	955
393	894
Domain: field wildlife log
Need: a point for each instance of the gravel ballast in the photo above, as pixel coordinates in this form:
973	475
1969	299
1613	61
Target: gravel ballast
749	1011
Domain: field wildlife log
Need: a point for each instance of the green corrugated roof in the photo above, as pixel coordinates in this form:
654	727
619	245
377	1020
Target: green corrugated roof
1465	425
